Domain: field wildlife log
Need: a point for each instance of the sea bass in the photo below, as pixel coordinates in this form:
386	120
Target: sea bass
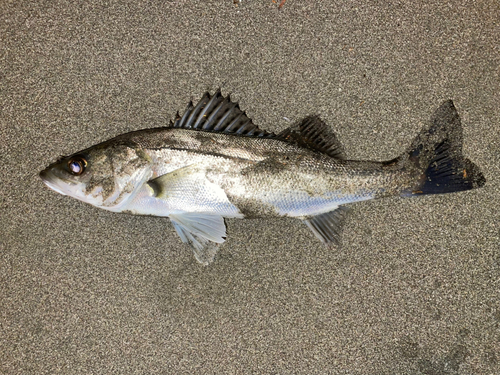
214	163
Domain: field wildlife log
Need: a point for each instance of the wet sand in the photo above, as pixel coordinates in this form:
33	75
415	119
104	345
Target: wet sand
414	287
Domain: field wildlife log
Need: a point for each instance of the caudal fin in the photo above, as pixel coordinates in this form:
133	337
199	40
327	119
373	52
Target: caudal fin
437	154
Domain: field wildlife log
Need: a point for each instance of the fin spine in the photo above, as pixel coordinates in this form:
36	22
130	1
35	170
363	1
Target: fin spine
219	114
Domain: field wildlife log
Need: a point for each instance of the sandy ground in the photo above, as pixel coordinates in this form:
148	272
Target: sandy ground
414	288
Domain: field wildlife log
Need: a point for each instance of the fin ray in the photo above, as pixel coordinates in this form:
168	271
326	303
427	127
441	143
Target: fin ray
314	134
219	114
206	225
437	152
327	226
204	239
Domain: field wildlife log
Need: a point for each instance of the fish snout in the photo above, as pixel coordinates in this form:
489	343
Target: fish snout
51	180
47	177
43	175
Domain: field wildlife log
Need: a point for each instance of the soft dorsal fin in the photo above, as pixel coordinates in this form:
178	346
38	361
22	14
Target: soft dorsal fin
218	114
313	133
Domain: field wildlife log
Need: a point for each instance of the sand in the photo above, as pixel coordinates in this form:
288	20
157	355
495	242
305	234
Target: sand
414	287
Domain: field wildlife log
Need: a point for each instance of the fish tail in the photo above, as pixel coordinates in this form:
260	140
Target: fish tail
436	155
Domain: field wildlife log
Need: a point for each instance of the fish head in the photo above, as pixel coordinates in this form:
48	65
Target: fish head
106	176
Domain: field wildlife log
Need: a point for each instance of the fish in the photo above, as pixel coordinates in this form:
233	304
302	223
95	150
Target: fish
213	163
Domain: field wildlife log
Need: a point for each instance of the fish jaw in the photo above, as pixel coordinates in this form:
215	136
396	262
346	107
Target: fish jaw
49	180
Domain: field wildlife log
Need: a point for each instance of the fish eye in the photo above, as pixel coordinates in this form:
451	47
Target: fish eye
76	165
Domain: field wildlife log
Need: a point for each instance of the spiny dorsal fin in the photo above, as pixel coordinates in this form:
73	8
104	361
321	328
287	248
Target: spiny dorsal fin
313	133
218	114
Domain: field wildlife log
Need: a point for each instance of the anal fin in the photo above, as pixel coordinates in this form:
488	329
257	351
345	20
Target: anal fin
327	226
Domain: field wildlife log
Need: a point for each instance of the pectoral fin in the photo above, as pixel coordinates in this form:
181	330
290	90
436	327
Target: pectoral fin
327	226
188	189
204	232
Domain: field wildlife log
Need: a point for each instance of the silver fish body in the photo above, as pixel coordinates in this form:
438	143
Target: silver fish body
213	163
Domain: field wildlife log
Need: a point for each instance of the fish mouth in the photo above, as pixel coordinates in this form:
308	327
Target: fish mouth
50	180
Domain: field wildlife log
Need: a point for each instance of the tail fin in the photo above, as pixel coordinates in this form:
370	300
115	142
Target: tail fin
437	154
